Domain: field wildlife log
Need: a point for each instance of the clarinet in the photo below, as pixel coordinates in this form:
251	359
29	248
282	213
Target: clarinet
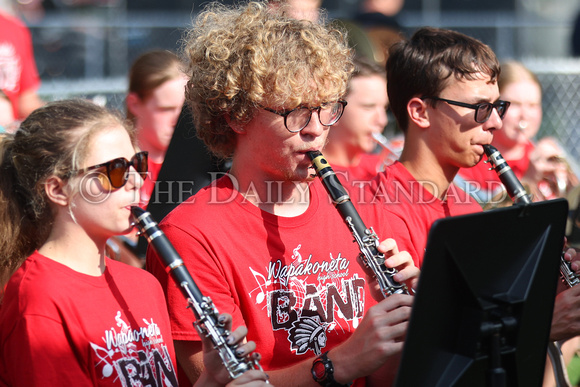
518	194
206	314
514	188
366	238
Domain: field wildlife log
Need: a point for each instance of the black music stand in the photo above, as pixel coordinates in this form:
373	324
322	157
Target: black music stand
484	303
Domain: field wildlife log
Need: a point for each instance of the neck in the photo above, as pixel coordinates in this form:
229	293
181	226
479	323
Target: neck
69	245
155	154
274	195
427	170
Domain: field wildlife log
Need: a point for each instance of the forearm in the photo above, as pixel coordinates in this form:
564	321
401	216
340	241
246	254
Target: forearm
190	358
385	376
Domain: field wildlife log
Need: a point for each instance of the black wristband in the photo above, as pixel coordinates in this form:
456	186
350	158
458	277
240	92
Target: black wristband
323	372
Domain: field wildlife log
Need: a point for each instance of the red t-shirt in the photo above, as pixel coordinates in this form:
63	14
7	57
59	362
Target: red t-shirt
293	281
59	327
18	72
149	183
482	177
367	168
410	209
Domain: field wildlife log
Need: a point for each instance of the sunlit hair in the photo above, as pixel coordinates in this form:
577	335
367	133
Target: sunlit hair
365	67
513	71
52	141
151	70
248	56
424	64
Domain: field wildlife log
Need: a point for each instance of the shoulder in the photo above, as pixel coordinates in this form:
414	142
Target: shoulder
35	286
389	180
217	196
460	202
12	24
128	273
9	20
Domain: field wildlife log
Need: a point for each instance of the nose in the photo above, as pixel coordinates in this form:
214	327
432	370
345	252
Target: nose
382	118
134	179
314	127
494	122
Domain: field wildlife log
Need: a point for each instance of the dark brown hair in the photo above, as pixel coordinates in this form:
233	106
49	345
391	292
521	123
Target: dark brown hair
422	66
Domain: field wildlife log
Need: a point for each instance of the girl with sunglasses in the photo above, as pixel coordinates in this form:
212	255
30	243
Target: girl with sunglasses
70	315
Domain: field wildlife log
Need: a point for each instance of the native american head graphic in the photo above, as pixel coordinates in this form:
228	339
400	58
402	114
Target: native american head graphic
308	333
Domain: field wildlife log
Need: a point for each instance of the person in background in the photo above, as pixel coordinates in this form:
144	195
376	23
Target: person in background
299	9
19	78
378	19
550	174
351	141
154	103
253	238
521	123
70	315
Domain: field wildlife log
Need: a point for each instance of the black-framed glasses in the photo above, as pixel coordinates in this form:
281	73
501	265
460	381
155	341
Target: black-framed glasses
297	119
482	110
116	170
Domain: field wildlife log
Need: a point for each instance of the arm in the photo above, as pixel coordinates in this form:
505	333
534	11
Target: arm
377	341
27	102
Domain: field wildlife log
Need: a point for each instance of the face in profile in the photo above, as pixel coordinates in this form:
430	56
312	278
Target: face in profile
102	205
524	116
304	9
157	115
365	114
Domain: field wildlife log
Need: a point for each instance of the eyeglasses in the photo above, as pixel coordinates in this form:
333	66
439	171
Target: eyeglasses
482	110
297	119
116	170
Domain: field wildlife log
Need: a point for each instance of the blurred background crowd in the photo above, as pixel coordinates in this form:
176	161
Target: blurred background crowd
86	47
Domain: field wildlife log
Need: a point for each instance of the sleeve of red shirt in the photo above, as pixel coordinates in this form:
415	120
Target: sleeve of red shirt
47	352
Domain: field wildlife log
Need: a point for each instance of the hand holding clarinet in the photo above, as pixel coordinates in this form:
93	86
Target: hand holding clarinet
239	363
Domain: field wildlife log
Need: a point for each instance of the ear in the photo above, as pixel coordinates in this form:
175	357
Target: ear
417	110
133	103
235	125
55	190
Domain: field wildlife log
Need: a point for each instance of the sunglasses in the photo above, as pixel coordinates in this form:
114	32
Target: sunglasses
116	170
482	110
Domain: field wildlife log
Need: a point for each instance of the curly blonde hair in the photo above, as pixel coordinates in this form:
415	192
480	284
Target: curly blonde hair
241	58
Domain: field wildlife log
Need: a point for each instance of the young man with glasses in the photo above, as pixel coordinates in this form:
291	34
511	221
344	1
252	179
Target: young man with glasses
442	87
443	91
264	242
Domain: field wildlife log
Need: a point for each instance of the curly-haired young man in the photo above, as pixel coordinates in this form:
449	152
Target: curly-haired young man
264	241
